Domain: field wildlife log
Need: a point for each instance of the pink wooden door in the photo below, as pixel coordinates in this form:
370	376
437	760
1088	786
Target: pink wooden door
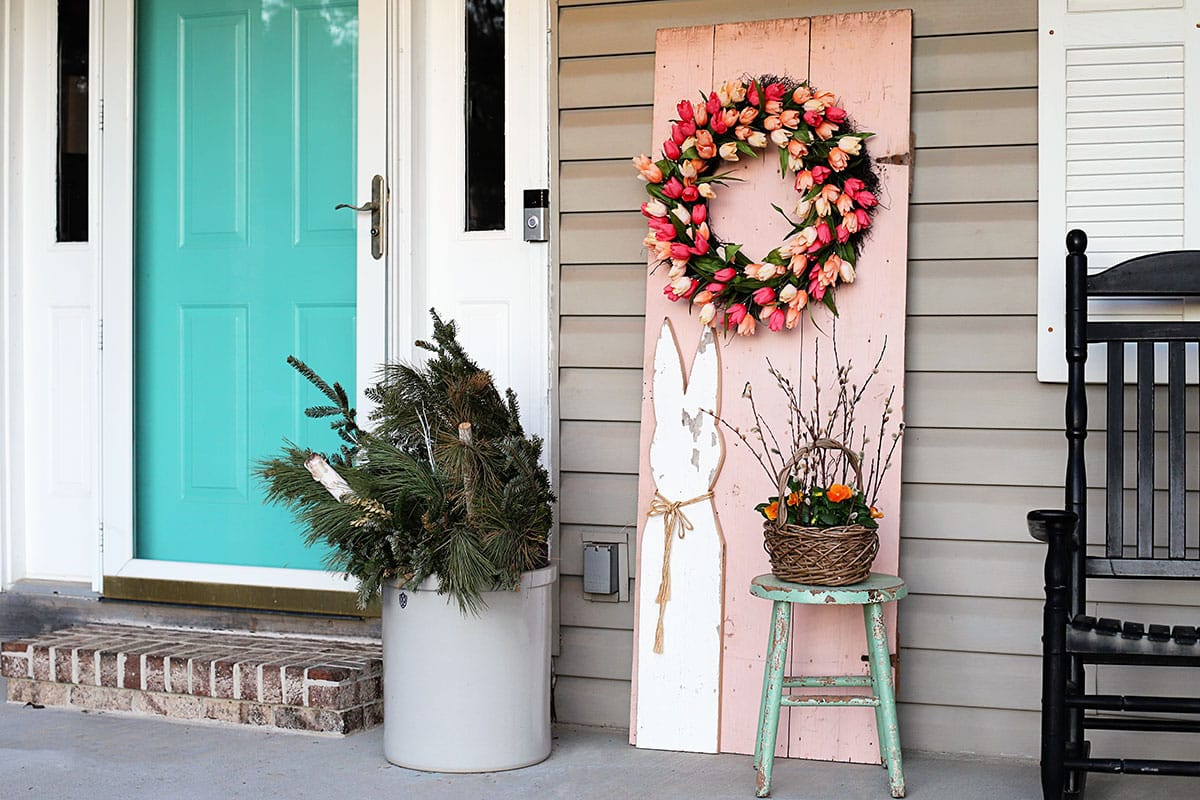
865	60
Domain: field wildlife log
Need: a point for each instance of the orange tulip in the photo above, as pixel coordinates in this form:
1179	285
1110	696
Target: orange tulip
772	511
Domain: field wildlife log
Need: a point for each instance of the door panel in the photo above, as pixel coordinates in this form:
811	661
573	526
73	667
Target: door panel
492	282
246	138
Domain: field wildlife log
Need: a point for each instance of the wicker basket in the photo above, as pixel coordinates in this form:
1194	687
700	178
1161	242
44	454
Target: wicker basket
835	556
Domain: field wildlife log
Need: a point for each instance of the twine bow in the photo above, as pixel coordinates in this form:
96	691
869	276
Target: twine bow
675	522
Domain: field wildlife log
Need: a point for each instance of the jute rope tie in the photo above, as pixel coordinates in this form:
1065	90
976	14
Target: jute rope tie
675	523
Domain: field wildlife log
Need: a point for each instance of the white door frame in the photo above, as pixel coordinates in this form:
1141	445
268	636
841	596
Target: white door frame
375	282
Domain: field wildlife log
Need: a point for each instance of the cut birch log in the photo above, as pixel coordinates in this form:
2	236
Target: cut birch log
327	476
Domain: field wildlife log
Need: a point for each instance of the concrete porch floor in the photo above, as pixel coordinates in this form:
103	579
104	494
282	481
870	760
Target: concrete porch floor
68	753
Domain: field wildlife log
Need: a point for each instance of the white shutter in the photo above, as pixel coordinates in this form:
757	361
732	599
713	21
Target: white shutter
1114	84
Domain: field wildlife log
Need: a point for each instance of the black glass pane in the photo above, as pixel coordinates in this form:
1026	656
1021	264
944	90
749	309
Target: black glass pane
72	149
485	115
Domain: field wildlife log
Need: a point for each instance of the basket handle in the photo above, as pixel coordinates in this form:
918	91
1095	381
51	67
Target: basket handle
819	444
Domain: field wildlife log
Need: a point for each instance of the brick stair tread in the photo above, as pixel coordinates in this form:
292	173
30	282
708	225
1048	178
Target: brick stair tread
334	686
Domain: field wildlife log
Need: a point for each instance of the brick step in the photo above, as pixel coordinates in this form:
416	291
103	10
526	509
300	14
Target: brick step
324	685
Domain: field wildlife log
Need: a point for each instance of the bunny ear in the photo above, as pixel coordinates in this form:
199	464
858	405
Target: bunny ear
668	374
704	382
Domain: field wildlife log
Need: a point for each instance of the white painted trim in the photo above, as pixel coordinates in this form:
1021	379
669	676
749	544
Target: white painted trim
116	293
235	574
8	514
400	154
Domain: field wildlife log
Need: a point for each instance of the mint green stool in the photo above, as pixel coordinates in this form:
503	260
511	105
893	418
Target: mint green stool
871	594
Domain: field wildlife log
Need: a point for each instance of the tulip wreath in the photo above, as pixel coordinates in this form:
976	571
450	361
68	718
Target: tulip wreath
834	177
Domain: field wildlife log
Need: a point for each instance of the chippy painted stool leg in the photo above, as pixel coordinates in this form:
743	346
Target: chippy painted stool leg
881	679
773	675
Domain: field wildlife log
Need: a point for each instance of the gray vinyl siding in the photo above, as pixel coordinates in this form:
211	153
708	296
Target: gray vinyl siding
984	441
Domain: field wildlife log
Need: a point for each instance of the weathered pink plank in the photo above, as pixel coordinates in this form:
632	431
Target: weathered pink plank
742	213
683	65
864	59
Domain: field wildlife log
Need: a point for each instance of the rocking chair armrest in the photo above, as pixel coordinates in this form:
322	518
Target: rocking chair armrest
1046	524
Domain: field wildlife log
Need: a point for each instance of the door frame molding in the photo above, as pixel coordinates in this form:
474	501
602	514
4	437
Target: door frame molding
117	361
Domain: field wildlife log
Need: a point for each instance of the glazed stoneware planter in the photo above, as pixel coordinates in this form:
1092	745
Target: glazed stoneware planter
465	693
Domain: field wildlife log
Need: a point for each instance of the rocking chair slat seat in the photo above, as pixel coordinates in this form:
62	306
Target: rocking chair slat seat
1111	641
1136	545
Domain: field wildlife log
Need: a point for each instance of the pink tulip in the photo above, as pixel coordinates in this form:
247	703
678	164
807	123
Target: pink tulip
823	234
813	118
866	199
843	235
778	317
690	194
853	186
688	128
774	91
864	219
686	114
677	134
701	246
821	174
764	295
671	150
670	293
752	94
699	213
736	313
717	123
715	288
673	189
825	130
725	275
714	103
835	114
679	250
665	234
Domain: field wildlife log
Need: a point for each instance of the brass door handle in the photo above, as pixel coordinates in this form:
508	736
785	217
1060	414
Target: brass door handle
378	208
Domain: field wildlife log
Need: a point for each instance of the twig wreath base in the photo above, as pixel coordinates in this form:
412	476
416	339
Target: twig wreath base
834	176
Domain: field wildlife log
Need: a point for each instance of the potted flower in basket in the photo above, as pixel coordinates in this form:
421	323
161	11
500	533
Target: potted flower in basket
442	507
821	525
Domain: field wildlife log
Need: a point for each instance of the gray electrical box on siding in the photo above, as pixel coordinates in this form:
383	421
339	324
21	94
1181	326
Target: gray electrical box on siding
600	573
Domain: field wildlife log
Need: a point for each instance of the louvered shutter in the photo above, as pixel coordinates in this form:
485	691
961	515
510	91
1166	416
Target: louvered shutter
1116	96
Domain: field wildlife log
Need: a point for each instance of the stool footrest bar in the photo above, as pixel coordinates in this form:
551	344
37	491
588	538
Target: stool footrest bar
826	700
825	681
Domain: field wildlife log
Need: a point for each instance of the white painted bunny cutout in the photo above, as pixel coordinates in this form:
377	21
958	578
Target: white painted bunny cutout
682	558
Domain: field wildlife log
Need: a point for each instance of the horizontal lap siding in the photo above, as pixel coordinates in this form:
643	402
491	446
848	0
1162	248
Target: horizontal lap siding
985	441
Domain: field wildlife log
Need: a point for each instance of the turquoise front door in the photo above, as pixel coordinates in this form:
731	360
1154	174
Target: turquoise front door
246	139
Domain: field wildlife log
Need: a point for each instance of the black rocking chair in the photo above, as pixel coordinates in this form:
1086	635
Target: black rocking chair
1071	639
